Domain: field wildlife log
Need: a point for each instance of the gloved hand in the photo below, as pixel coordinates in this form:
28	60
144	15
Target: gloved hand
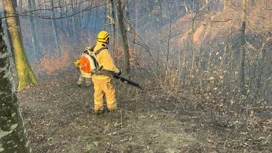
119	73
88	48
76	63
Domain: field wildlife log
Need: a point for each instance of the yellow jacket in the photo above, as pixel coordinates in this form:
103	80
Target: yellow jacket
105	60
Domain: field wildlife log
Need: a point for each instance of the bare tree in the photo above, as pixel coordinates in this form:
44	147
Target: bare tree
25	73
74	23
111	19
192	41
126	7
242	46
54	25
12	132
187	6
161	32
123	33
35	44
169	36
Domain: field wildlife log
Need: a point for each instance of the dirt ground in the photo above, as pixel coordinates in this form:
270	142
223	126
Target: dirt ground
58	117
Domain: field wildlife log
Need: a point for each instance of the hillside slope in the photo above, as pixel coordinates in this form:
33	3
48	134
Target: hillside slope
222	26
58	118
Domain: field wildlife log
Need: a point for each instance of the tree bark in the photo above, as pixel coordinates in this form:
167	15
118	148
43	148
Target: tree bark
123	33
12	132
25	73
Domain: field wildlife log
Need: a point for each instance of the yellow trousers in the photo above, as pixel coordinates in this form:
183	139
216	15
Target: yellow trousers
81	79
104	87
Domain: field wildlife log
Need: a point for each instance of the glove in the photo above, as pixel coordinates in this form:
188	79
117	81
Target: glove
76	63
119	73
88	48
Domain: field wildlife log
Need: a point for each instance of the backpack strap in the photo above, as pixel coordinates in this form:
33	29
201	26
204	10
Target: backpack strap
99	50
93	56
89	49
92	49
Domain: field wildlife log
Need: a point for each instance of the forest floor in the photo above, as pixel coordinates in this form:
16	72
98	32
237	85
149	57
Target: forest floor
58	117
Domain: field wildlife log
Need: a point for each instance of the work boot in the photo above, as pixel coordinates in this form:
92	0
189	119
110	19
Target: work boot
98	112
80	81
87	85
88	82
106	110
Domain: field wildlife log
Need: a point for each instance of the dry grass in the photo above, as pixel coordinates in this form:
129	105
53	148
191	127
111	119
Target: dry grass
52	64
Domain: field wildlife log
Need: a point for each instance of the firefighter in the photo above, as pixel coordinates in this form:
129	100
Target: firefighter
103	84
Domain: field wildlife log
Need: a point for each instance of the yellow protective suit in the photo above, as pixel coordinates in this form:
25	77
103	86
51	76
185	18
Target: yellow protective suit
102	84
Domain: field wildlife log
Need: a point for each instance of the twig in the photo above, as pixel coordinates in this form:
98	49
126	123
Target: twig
121	112
107	148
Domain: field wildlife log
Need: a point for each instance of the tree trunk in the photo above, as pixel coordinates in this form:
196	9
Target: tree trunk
161	40
89	15
62	13
74	23
192	42
123	33
114	22
25	73
54	25
169	37
12	132
242	47
111	17
187	6
209	13
127	14
35	44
